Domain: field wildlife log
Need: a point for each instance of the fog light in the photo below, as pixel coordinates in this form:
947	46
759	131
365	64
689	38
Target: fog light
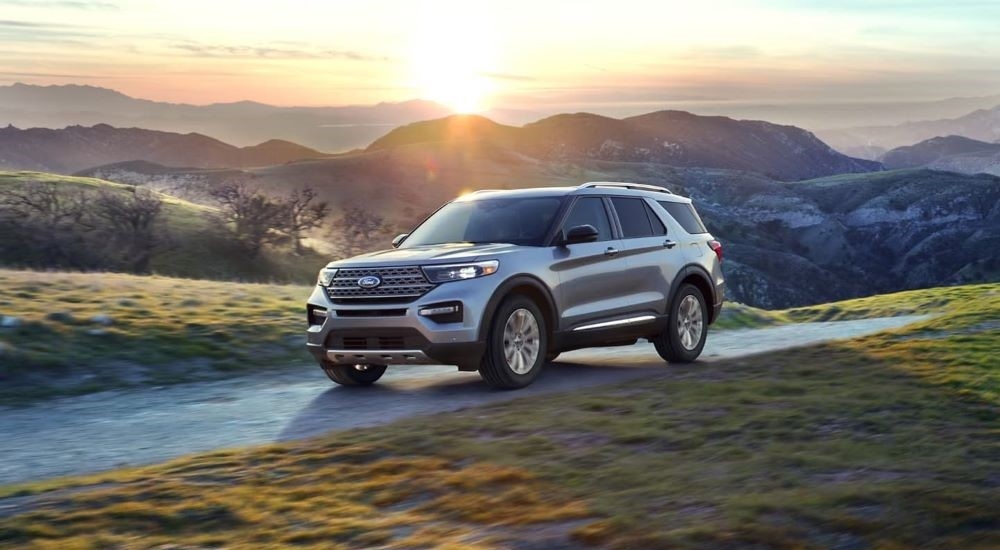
444	312
317	315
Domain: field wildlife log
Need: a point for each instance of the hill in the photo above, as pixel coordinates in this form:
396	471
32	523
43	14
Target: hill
242	123
75	148
787	244
981	124
883	441
190	241
676	138
952	153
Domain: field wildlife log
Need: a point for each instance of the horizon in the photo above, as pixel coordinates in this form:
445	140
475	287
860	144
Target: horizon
474	59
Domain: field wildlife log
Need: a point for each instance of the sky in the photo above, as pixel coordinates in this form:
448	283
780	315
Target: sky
515	54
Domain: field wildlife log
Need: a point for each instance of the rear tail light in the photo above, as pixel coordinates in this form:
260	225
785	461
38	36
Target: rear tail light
716	247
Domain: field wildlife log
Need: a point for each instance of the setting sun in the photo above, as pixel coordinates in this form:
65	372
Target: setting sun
452	59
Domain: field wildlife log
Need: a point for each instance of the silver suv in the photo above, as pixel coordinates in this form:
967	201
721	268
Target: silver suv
502	281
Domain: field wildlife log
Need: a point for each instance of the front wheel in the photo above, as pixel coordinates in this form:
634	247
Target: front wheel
354	375
517	345
684	337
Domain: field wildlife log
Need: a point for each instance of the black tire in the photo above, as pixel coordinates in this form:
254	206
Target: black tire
495	370
670	344
354	375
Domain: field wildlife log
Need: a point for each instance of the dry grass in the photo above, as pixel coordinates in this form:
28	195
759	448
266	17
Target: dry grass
887	441
162	330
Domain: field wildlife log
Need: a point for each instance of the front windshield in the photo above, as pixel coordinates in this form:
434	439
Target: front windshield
523	221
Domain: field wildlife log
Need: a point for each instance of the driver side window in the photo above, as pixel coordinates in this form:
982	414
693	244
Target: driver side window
590	211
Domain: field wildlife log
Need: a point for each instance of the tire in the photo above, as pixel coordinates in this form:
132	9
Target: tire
354	375
516	345
687	328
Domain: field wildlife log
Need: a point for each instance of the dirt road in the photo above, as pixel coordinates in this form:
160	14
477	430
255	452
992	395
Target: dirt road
111	429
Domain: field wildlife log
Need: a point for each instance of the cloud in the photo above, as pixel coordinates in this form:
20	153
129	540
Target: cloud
31	31
67	4
268	52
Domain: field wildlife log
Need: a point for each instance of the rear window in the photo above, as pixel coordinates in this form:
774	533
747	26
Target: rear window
685	215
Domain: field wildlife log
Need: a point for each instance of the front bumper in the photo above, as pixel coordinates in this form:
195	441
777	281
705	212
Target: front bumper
395	334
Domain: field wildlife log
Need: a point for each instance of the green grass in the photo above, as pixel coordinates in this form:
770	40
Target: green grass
886	441
162	330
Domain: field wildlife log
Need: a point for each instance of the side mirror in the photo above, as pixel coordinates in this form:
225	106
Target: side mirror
581	234
398	239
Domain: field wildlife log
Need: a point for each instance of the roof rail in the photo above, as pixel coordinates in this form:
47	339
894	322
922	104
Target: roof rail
624	185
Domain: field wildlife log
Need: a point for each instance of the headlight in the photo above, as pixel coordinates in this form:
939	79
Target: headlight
326	276
458	272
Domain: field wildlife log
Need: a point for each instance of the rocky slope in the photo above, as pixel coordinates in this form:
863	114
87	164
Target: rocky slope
676	138
75	148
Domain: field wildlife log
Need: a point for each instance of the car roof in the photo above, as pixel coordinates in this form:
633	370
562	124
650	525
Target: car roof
589	188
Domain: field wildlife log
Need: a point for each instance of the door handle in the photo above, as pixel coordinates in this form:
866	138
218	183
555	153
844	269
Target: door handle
611	251
669	243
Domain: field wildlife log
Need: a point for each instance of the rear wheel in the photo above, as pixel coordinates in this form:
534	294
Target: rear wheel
516	346
684	337
354	375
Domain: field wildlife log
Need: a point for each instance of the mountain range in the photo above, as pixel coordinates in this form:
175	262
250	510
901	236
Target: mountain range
676	138
872	141
242	123
77	147
950	153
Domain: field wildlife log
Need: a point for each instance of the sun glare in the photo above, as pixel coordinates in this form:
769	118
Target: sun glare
452	59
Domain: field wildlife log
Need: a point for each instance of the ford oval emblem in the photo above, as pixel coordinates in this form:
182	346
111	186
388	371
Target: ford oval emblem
369	281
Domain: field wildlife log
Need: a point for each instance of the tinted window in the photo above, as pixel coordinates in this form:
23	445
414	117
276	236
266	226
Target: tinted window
515	221
632	216
658	227
685	215
590	211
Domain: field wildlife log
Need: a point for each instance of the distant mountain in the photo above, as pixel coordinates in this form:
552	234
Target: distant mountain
952	153
676	138
76	148
982	125
242	123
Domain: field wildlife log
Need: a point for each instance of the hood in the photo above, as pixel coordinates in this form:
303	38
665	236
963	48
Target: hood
429	255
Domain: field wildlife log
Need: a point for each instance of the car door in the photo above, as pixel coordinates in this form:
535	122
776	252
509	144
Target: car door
584	269
652	257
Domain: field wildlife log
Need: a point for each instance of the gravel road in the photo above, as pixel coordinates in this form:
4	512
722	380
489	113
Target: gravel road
126	428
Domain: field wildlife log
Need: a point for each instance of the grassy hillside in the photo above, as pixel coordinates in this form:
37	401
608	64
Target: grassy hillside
127	330
887	441
192	245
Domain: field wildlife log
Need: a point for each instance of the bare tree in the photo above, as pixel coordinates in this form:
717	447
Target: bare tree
255	218
50	224
357	230
133	217
303	215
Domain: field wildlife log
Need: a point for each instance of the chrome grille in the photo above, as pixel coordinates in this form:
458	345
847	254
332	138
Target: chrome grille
398	283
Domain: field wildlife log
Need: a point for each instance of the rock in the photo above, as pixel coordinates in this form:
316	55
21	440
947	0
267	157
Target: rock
102	319
60	317
7	321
